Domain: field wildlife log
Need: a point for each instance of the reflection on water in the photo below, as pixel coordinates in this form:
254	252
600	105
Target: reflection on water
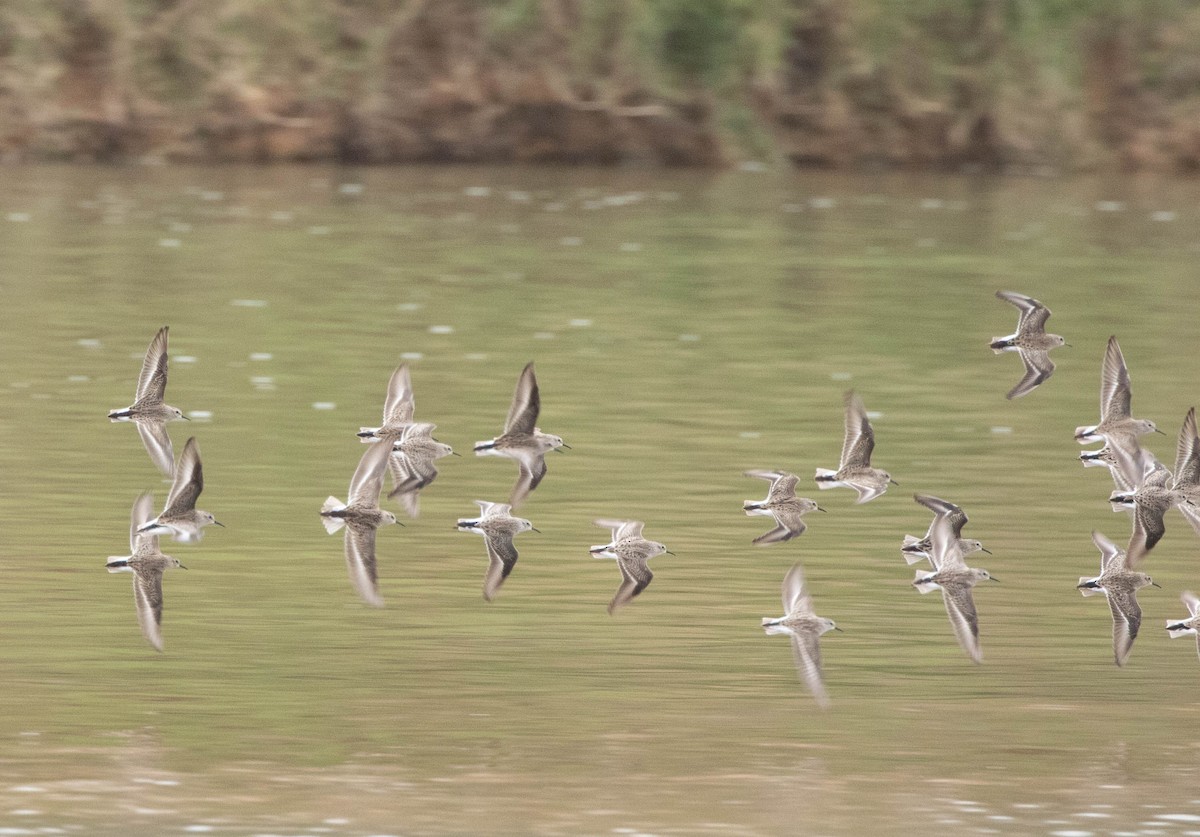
686	328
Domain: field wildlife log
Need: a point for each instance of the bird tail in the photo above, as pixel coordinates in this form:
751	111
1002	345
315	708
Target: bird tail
768	621
367	435
1086	433
1087	587
118	563
332	504
923	584
120	415
827	479
911	555
1178	629
999	344
487	444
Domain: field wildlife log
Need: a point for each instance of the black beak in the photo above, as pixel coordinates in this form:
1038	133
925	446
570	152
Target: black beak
535	529
452	453
892	481
820	509
1159	586
185	418
565	445
993	578
985	549
218	523
839	630
182	567
669	552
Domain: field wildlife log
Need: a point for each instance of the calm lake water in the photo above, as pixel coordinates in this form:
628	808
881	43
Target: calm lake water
686	327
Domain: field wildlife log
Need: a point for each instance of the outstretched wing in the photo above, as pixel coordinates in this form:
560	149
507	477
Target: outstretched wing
635	577
188	482
1038	367
1127	618
960	607
502	557
523	414
157	443
148	599
360	560
796	599
367	481
532	469
399	404
152	382
1033	314
860	438
1187	454
806	648
1115	392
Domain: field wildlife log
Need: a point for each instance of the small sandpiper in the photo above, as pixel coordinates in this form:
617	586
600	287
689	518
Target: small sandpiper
1120	584
180	518
631	552
147	563
944	514
361	516
1116	423
855	468
1030	340
522	440
782	504
805	629
498	526
412	463
955	579
397	408
1191	625
1153	496
148	411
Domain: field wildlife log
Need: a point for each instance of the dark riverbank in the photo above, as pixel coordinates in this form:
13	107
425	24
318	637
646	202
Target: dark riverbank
937	85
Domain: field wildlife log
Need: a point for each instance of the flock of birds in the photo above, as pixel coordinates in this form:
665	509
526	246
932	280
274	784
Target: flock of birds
407	451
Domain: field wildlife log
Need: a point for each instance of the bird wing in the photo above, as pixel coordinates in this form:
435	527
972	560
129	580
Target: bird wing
398	405
152	382
502	557
1148	529
1115	392
1038	367
1187	453
945	514
1127	618
806	648
860	438
188	482
532	468
158	444
790	525
360	561
148	599
796	598
635	577
139	516
960	607
1191	601
523	414
367	481
1109	551
1033	314
783	488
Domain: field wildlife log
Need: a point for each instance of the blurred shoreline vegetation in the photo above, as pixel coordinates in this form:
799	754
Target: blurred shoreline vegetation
1010	85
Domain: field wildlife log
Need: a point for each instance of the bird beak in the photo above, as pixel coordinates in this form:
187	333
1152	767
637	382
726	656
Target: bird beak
535	529
452	453
839	630
993	578
182	567
1159	586
985	549
185	418
1159	432
565	445
669	552
892	481
1068	345
820	509
218	523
